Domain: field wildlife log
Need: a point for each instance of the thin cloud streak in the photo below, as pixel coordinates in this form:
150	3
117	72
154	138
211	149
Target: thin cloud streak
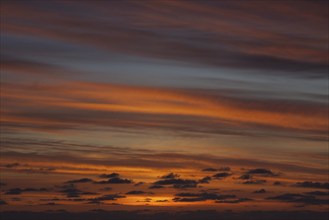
80	103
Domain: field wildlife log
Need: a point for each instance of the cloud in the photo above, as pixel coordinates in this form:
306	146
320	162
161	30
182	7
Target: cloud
18	191
222	175
318	193
112	175
309	184
299	198
261	171
170	176
162	200
260	191
245	177
210	41
70	191
277	183
214	170
137	192
139	183
109	197
209	170
205	179
114	180
239	200
3	202
11	165
196	197
251	182
83	180
156	187
175	181
174	110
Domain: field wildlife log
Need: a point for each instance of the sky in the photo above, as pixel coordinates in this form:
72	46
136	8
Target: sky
199	108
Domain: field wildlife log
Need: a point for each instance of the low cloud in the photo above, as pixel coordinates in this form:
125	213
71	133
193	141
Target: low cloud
107	176
318	193
260	191
3	202
205	179
137	192
251	182
196	197
235	200
221	175
173	180
300	198
261	172
18	191
70	191
83	180
308	184
115	180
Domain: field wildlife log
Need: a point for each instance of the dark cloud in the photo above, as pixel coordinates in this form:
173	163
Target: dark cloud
11	165
139	184
2	184
318	193
50	204
196	197
205	179
245	177
2	202
235	200
250	182
145	200
299	198
137	192
277	183
156	187
71	191
209	170
115	180
83	180
261	171
221	175
18	191
308	184
110	197
214	170
163	200
107	176
260	191
177	183
170	176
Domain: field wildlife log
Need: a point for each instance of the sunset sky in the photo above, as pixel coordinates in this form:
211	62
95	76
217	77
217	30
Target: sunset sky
164	105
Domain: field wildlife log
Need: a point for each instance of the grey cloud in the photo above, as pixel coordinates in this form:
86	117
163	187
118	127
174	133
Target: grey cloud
115	180
18	191
222	175
299	198
251	182
309	184
195	197
83	180
112	175
260	191
261	171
